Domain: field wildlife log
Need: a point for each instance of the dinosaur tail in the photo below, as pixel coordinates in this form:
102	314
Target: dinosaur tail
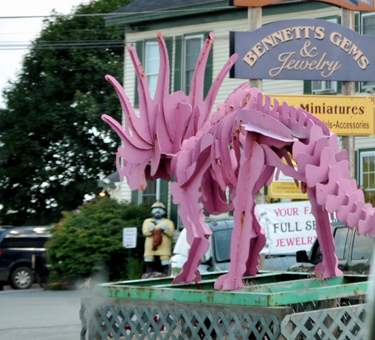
327	168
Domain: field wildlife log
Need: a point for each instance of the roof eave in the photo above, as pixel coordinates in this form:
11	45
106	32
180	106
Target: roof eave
130	18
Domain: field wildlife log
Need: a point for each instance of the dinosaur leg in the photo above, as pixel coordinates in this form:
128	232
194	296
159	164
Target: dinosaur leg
257	244
243	231
328	267
197	233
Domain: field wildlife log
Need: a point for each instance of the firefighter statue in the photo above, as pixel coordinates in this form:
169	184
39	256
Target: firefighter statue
158	232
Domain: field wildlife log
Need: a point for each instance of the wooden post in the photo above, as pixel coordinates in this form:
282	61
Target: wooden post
348	88
254	15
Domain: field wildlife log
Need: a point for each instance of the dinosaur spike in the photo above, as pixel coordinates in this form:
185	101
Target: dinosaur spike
162	87
334	202
266	107
143	92
354	198
214	89
132	122
360	210
196	91
331	188
319	174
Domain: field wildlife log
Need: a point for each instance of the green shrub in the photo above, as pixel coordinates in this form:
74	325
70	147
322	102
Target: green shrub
88	242
134	267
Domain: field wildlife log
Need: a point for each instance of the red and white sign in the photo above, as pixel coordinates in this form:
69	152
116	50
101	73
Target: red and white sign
129	237
289	227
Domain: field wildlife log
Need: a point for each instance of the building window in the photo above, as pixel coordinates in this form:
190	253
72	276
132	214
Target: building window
368	24
152	65
186	53
367	168
368	28
192	48
150	194
323	86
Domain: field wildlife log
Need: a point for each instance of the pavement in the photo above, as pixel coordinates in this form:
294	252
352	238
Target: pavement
37	314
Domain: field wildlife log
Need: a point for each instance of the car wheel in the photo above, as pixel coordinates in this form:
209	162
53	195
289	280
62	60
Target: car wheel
22	278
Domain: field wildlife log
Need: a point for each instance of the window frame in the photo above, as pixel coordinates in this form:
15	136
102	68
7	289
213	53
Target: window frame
184	57
363	16
367	84
324	89
140	46
149	43
148	195
363	154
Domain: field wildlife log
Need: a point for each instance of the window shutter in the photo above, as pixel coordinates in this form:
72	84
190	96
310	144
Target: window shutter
178	63
307	88
357	27
164	192
174	212
139	47
356	168
339	87
135	195
169	44
208	72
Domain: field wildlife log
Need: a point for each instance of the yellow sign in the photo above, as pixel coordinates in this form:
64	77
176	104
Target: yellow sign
285	190
285	187
344	115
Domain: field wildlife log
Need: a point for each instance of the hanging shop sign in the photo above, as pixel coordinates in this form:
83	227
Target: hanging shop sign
284	187
354	5
305	49
344	115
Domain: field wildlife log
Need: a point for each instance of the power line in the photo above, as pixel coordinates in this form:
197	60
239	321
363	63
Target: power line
111	15
96	30
76	44
87	45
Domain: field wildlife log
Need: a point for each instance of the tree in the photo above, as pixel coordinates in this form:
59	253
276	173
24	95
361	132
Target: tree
53	144
88	241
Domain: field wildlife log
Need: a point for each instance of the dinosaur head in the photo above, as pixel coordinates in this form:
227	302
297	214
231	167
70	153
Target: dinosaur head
155	135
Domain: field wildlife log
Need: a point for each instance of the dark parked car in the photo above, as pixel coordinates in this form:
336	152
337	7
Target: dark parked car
21	255
353	252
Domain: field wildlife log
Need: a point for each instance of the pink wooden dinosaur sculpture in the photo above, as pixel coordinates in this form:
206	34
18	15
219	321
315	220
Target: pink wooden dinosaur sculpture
237	148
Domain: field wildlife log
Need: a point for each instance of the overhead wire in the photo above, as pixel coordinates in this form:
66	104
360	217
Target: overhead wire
113	14
83	44
76	44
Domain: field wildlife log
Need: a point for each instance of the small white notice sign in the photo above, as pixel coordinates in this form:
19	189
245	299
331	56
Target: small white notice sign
129	237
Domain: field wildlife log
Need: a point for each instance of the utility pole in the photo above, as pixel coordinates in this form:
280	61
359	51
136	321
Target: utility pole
254	15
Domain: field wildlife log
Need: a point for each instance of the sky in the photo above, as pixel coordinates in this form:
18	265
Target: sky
20	31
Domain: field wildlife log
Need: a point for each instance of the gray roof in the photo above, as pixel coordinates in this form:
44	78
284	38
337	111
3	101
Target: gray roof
152	5
109	180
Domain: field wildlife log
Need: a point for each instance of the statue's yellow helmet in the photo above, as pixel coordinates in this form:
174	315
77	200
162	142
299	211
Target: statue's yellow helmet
158	205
